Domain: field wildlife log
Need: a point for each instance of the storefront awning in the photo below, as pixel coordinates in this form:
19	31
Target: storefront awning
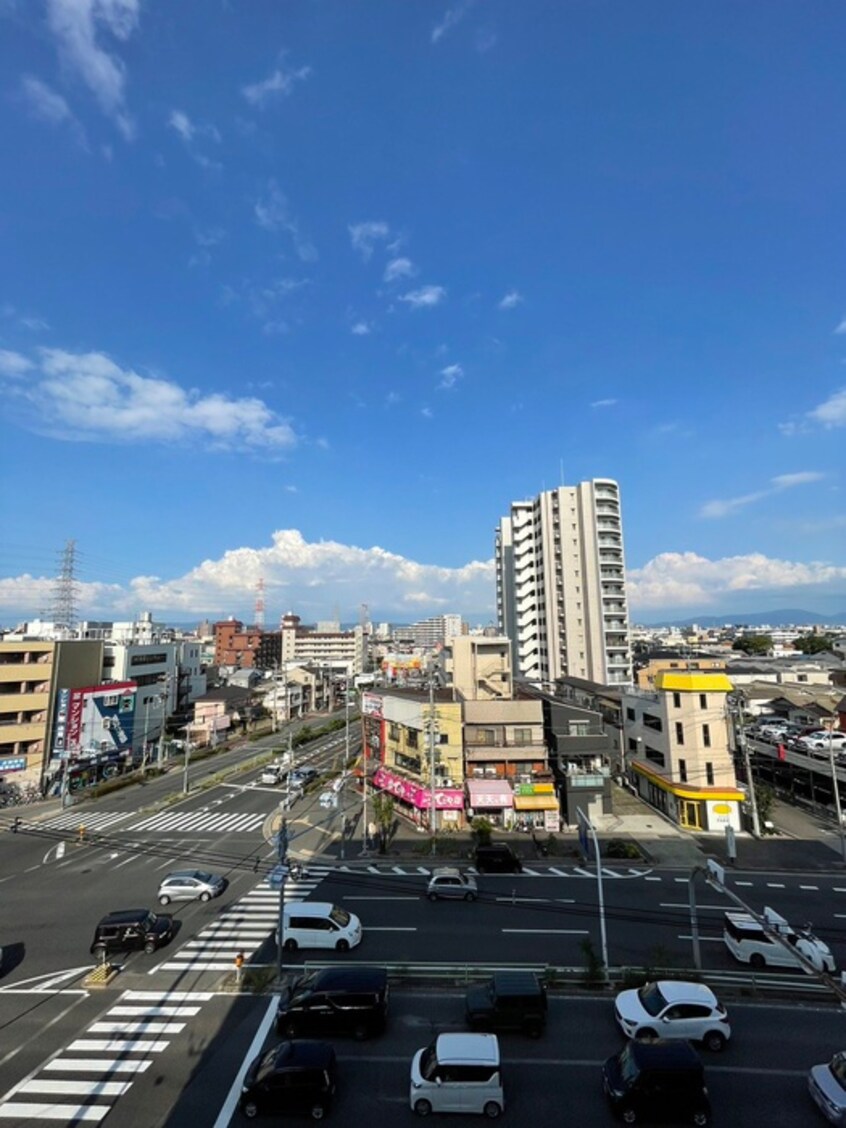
492	793
535	803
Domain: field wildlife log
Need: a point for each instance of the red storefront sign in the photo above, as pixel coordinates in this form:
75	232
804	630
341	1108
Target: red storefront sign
446	798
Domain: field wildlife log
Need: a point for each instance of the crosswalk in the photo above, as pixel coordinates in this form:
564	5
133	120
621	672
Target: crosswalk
182	822
81	1084
527	871
243	927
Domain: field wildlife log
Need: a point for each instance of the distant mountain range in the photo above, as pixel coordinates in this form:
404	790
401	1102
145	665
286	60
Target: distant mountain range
783	618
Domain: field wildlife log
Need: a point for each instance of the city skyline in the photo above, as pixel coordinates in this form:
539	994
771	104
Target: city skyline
298	296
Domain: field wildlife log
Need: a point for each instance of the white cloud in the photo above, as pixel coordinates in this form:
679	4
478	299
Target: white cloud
399	268
361	329
13	363
86	396
831	413
278	84
309	577
727	506
365	235
46	105
604	403
273	214
77	26
425	297
450	374
511	299
841	328
189	130
685	579
451	17
427	413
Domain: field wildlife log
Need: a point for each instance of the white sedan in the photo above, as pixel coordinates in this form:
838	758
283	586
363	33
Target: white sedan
673	1009
823	741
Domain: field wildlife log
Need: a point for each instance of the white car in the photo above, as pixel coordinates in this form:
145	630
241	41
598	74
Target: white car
673	1009
823	741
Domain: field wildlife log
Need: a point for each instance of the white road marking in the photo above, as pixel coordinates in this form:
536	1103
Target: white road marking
77	1088
537	900
71	1114
95	1065
139	1027
380	928
775	885
815	888
704	939
549	931
686	905
750	883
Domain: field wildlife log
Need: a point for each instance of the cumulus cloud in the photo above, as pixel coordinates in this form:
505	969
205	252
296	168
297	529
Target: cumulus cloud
310	577
728	506
831	413
77	26
685	579
399	268
277	85
272	212
88	397
365	235
425	297
450	375
511	299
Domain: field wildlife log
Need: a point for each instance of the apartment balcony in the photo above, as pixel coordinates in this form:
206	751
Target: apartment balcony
522	753
23	702
13	731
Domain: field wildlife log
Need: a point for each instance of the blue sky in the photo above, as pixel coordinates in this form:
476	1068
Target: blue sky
309	292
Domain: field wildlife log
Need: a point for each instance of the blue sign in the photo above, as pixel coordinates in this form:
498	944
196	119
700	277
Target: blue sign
13	764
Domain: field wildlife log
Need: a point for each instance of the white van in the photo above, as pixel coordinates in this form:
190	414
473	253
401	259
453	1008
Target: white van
458	1073
319	924
747	941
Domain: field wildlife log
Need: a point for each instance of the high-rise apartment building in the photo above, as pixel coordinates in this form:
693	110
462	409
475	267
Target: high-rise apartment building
561	585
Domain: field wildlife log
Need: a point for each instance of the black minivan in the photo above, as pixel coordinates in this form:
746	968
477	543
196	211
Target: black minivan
657	1081
131	930
298	1077
510	1000
498	857
335	1000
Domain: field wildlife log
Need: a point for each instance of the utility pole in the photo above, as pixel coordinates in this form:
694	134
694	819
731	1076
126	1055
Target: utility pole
836	786
586	828
744	751
433	726
344	771
187	762
273	723
282	854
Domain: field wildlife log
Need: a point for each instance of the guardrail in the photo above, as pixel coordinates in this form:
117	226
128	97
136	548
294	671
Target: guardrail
725	983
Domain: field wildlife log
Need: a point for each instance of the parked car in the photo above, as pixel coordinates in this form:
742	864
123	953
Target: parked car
498	857
827	1086
449	882
510	1000
458	1073
823	742
190	885
673	1009
657	1081
298	1077
335	1000
131	930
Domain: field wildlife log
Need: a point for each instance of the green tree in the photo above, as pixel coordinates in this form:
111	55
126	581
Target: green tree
383	816
482	830
753	644
814	643
764	799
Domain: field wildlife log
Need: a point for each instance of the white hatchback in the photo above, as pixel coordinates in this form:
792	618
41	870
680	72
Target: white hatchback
673	1009
458	1073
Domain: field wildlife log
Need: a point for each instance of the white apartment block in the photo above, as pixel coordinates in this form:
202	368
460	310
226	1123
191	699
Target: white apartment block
344	652
438	630
561	585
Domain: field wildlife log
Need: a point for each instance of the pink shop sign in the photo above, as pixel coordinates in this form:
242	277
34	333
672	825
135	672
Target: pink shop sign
417	796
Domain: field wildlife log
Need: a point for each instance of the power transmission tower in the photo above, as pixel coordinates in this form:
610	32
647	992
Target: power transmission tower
65	589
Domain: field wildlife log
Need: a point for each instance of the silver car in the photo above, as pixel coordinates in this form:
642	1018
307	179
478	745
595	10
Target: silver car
449	882
190	885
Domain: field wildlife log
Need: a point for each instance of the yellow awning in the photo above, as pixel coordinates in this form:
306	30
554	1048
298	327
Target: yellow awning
693	681
535	803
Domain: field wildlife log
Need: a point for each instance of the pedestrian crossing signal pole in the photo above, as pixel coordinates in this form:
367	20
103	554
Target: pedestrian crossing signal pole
282	853
586	828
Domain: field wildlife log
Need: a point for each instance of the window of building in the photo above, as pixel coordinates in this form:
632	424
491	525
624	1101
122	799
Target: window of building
578	728
677	701
679	733
443	738
522	736
653	722
709	773
683	771
706	735
630	714
411	738
703	700
655	756
632	744
393	732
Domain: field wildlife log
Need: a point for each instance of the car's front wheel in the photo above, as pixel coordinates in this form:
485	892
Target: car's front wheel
318	1112
250	1109
149	947
342	946
471	896
628	1116
205	895
290	945
164	899
492	1110
701	1118
757	961
433	896
646	1035
422	1108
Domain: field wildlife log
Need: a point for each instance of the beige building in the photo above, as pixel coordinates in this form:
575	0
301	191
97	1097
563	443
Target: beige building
343	652
677	749
561	585
646	675
31	673
478	668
